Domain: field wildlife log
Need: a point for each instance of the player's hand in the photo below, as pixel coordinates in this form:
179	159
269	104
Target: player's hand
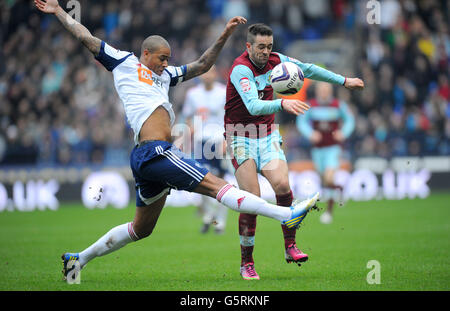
233	23
47	6
338	136
354	84
316	137
294	106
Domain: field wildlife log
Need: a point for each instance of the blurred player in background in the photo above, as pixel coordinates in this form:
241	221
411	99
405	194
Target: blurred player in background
327	124
205	103
256	148
157	165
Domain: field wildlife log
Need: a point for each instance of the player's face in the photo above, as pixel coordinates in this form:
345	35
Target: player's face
158	60
209	77
260	50
324	92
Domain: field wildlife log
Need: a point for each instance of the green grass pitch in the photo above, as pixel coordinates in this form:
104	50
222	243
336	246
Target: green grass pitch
409	238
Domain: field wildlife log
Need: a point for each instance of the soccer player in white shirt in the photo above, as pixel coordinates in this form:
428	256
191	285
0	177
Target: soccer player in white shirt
157	165
203	110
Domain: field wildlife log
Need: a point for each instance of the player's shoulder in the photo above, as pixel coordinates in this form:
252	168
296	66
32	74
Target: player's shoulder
277	56
242	61
112	50
111	57
241	71
280	57
132	60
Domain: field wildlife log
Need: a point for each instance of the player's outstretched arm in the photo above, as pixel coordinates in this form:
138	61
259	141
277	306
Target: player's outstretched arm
75	28
209	57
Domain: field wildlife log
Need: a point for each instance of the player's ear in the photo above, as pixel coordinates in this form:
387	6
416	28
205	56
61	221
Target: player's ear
147	53
248	45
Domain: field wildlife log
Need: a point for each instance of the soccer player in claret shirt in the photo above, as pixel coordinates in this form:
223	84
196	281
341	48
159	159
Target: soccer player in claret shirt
254	139
327	124
157	165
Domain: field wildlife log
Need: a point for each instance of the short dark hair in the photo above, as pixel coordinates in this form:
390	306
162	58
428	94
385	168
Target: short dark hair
258	29
154	43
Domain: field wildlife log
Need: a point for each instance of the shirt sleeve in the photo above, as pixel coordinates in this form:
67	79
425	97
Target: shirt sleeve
315	72
243	80
176	74
348	120
110	57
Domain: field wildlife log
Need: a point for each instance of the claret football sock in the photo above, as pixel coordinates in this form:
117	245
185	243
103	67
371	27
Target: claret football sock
247	227
246	202
288	233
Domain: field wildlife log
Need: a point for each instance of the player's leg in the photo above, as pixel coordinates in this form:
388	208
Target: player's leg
246	202
334	192
206	205
244	151
150	198
317	156
142	226
146	218
330	160
275	169
247	179
206	214
220	210
220	217
277	173
214	212
239	200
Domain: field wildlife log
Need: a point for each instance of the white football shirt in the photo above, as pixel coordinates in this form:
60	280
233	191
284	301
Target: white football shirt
140	89
209	106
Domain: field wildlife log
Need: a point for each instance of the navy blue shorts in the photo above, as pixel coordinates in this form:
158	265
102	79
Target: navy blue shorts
158	166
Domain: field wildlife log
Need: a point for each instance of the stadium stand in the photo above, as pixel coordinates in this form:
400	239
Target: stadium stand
58	105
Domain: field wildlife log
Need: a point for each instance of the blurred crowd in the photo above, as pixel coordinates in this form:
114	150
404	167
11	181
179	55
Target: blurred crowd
58	105
405	108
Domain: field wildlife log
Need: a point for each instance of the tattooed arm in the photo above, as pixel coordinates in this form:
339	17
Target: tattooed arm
75	28
209	57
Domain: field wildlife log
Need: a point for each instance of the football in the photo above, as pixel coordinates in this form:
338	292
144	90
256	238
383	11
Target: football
286	78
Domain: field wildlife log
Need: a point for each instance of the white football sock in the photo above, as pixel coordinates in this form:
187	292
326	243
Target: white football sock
114	239
246	202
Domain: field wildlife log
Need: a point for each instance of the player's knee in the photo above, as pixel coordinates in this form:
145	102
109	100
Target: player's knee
146	234
143	232
210	185
282	186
